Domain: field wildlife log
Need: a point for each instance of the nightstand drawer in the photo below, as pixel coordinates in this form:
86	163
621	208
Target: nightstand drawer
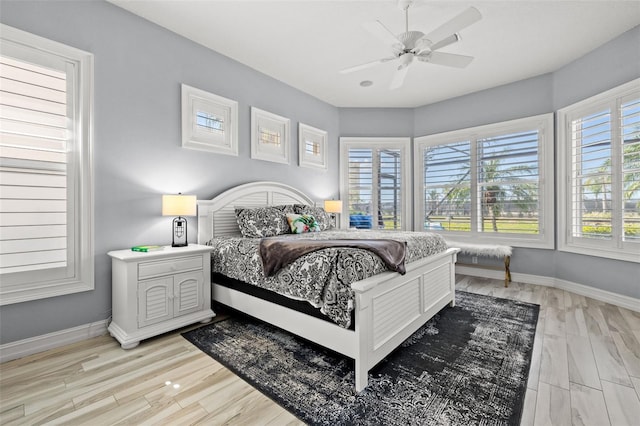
170	266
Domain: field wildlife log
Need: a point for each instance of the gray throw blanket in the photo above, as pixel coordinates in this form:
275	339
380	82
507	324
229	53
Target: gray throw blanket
279	252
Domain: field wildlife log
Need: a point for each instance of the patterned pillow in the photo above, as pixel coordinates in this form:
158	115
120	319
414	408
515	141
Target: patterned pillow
324	220
301	223
261	221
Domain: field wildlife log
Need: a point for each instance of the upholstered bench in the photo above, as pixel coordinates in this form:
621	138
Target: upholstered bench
486	250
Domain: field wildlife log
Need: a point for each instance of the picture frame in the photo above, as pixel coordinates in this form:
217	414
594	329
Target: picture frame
270	136
312	147
209	122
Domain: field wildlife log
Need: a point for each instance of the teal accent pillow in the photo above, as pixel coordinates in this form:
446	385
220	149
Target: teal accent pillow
301	223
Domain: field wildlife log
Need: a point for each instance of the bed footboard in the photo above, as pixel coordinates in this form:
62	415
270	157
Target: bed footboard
391	307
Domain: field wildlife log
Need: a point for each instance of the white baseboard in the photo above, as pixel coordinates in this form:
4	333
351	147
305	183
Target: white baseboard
32	345
627	302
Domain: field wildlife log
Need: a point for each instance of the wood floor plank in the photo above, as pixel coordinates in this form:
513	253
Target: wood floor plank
629	349
573	301
632	318
529	409
582	364
11	414
575	322
555	298
552	406
554	322
636	384
554	366
121	413
122	379
609	362
596	323
285	419
190	415
614	319
536	359
588	407
50	414
623	404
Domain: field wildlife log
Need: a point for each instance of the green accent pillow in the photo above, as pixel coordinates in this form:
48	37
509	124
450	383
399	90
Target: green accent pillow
301	223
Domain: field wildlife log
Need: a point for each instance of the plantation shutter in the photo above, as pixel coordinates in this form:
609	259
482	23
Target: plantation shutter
447	186
630	121
34	167
591	177
508	183
375	188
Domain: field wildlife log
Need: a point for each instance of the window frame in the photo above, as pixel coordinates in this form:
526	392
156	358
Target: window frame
402	143
615	248
22	287
544	124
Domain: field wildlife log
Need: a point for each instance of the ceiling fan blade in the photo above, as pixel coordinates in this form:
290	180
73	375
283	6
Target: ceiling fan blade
366	65
378	29
448	59
425	44
453	38
398	78
454	25
401	71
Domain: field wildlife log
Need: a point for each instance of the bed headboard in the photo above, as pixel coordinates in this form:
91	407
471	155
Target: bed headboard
217	217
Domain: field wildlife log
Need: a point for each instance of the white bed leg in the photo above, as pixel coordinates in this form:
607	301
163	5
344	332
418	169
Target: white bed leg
362	376
453	303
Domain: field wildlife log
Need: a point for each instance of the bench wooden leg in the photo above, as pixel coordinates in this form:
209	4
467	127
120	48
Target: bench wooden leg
507	271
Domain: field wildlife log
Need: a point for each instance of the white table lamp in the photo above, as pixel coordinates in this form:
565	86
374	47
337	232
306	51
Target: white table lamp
179	205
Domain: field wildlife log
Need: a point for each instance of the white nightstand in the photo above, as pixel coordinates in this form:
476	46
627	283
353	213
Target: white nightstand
159	291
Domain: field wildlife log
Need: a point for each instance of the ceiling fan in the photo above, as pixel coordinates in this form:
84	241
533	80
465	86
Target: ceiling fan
411	45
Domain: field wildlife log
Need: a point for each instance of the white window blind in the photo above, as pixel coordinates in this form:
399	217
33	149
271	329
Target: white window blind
45	181
591	176
374	182
447	186
33	167
508	183
599	156
488	182
630	121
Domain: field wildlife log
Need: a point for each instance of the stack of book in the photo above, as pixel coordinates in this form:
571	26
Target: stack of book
147	248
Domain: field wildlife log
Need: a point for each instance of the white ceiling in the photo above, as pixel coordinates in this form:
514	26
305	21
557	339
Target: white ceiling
305	43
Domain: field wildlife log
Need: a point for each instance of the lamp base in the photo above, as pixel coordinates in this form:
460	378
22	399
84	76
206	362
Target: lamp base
179	232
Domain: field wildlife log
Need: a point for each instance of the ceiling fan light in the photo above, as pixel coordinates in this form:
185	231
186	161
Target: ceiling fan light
405	59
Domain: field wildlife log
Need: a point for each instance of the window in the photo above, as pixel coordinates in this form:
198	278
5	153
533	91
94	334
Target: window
492	183
374	176
45	201
599	158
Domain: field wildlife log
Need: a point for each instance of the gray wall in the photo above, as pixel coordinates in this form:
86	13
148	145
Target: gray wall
137	153
137	146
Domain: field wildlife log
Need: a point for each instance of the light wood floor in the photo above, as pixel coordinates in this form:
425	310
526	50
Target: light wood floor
585	371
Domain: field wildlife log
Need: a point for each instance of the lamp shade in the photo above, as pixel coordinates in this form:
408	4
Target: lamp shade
333	206
178	205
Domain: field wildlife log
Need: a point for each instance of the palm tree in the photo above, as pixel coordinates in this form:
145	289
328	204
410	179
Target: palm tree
494	196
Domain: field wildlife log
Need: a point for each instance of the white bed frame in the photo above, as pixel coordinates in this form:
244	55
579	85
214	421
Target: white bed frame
388	307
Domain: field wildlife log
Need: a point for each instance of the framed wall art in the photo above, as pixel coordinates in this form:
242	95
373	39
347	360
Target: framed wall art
209	122
312	147
270	136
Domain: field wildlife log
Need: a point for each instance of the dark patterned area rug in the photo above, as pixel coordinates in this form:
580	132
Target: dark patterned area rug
468	365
